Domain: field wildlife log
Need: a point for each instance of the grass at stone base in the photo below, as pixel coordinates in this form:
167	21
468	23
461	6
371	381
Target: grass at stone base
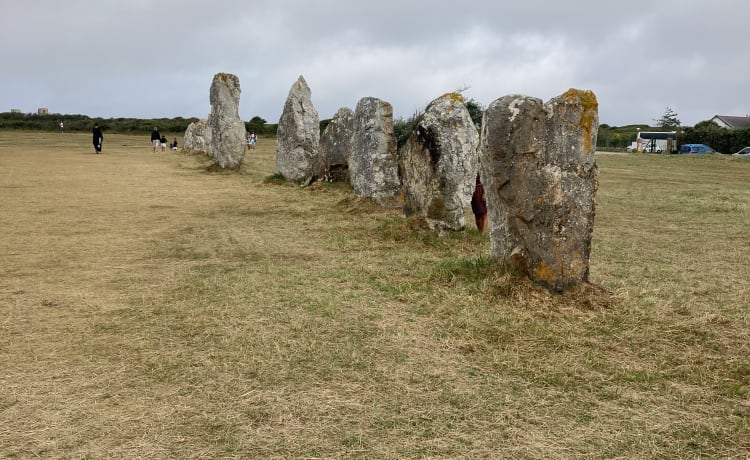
151	308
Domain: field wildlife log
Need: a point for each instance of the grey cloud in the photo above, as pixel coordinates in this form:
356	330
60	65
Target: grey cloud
157	58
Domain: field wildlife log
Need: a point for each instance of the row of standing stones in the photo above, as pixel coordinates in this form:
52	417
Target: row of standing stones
536	161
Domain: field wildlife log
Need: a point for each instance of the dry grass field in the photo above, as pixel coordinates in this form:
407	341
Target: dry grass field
152	307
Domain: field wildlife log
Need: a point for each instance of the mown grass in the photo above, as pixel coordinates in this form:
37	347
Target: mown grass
153	307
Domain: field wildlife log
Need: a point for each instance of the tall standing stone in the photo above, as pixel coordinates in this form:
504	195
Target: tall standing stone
374	163
196	135
439	163
540	176
336	145
298	136
226	142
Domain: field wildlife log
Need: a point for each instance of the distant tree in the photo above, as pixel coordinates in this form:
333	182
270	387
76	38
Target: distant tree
403	127
256	125
668	120
707	132
323	124
476	110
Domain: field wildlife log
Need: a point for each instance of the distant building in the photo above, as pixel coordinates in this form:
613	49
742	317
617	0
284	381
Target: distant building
729	122
15	110
42	111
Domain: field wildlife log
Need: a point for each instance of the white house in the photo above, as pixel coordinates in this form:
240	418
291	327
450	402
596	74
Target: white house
729	122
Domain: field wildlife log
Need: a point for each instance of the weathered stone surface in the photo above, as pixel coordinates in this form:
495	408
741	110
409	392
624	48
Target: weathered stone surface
373	166
195	136
298	136
336	145
439	164
540	176
226	142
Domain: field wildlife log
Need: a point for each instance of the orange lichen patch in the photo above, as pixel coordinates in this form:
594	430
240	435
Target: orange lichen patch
589	113
546	273
551	275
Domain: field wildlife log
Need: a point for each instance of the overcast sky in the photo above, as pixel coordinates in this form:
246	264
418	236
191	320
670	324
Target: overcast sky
157	58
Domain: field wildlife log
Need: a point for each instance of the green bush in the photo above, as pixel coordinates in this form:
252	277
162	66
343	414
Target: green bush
720	139
83	123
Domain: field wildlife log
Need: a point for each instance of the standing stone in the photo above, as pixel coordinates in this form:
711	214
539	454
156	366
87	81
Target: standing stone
226	142
374	163
336	145
298	136
540	176
195	136
439	163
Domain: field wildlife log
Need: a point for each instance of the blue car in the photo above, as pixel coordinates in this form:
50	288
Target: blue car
696	148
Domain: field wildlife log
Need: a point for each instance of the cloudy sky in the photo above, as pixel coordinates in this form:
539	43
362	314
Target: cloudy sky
157	58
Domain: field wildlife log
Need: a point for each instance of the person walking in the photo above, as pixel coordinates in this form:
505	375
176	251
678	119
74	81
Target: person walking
98	137
163	141
155	138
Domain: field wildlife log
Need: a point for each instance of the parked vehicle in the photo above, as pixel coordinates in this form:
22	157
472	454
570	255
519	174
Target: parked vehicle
744	153
696	148
645	146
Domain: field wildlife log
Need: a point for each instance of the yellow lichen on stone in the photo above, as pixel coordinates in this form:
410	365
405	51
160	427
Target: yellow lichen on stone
455	97
589	112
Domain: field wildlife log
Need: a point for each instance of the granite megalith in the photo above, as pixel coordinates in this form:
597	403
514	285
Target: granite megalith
373	166
336	145
226	142
196	135
439	164
539	173
298	136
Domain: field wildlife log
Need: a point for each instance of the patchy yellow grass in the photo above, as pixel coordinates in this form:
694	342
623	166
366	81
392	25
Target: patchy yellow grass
151	307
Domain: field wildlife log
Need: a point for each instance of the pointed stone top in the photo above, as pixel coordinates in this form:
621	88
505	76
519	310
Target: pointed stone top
301	83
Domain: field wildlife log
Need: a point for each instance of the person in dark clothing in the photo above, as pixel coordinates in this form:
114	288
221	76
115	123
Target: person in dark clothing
98	138
479	206
155	138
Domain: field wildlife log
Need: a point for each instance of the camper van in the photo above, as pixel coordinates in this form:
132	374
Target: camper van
654	142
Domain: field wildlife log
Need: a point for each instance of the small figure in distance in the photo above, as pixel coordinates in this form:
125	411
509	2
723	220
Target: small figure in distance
163	141
62	127
247	139
98	137
253	140
155	138
174	145
479	206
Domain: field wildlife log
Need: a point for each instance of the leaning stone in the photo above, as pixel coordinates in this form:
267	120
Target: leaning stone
298	136
373	166
227	131
439	164
195	137
336	145
540	176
